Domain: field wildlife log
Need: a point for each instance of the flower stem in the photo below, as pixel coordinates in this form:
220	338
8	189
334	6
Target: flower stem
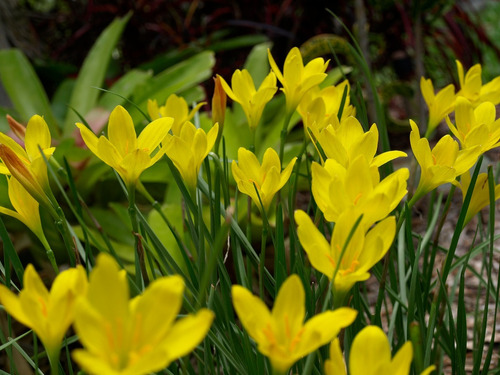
53	356
140	268
284	132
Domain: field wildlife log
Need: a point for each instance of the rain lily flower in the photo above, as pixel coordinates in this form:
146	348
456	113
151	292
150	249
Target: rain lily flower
472	88
175	107
26	209
319	108
27	164
475	126
123	336
439	105
370	354
348	141
267	178
48	314
440	165
252	101
126	153
363	251
337	189
480	195
188	150
31	175
36	134
281	334
296	78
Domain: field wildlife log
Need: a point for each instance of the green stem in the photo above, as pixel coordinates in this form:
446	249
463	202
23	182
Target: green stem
62	226
284	132
140	268
262	263
54	361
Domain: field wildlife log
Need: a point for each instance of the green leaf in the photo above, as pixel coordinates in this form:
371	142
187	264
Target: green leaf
124	87
180	77
92	73
24	88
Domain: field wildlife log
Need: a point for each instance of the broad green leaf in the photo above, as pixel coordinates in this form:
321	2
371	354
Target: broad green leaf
175	79
257	63
92	74
124	88
24	88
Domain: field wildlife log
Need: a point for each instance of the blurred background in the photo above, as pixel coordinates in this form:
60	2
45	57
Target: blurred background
56	35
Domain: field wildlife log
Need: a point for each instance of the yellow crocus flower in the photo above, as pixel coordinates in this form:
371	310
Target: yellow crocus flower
48	314
480	195
188	150
440	165
252	101
26	209
27	164
281	334
123	151
475	126
296	78
347	141
363	251
439	105
319	107
472	88
123	336
267	178
337	189
370	354
36	135
175	107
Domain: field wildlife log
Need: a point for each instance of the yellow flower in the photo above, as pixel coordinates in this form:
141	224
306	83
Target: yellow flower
175	107
358	188
480	195
133	337
440	165
348	141
281	334
252	101
36	135
48	314
297	79
126	153
31	175
472	88
25	209
440	104
363	251
267	178
370	354
475	127
188	150
27	165
319	108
